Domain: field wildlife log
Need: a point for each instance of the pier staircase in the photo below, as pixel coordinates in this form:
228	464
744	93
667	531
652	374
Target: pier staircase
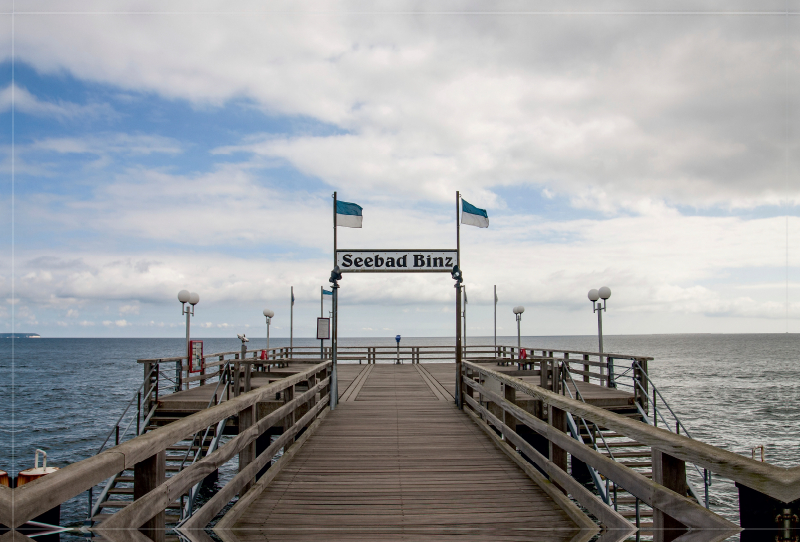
118	491
623	450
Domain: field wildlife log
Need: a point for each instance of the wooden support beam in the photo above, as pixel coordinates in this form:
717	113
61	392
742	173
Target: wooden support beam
670	472
148	475
288	421
248	453
510	395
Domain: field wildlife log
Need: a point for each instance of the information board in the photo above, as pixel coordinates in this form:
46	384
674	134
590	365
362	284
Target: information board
323	328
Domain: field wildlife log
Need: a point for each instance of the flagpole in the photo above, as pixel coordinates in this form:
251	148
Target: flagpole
321	341
334	386
458	310
291	324
464	340
495	318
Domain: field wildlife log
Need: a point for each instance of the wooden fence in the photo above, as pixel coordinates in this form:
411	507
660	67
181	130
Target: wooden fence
145	454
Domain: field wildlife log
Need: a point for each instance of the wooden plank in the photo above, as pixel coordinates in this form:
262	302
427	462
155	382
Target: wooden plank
398	458
685	510
778	482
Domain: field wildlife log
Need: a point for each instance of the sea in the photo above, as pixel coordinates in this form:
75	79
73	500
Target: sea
735	391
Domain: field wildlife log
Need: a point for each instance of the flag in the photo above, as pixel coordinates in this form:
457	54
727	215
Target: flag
473	216
348	214
292	295
465	296
495	295
326	292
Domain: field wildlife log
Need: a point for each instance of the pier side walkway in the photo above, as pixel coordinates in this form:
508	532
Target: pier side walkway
397	461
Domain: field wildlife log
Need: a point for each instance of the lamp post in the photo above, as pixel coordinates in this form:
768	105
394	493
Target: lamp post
518	310
184	296
268	314
603	293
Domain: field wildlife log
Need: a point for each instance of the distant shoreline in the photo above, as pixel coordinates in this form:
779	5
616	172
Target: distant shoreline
20	336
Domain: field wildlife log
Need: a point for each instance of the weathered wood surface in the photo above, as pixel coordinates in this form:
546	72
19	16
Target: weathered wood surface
41	495
397	461
777	482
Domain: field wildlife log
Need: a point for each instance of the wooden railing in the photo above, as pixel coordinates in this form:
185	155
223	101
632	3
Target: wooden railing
670	450
145	454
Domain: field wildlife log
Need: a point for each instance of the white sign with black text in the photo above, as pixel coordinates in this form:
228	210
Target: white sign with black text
396	261
323	328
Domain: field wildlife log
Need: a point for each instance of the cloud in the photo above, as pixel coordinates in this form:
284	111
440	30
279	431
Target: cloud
129	309
25	102
631	107
110	143
117	323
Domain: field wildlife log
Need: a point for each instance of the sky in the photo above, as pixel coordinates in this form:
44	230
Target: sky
148	147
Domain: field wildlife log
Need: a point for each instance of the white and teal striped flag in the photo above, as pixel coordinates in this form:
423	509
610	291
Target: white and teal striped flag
348	214
473	216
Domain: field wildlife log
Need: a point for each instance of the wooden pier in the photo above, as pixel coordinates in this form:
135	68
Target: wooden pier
395	459
561	446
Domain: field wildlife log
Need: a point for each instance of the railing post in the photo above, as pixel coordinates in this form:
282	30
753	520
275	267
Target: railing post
288	421
670	472
148	381
148	474
510	395
248	453
179	375
312	381
586	368
557	418
641	391
610	364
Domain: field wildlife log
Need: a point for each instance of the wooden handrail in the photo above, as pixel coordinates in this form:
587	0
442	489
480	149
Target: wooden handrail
654	495
41	495
144	508
777	482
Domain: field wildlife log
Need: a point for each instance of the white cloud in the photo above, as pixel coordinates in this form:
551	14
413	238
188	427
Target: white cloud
112	143
132	308
636	107
25	102
117	323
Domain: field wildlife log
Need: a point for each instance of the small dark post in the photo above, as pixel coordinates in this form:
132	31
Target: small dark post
670	472
288	421
245	368
148	475
766	519
247	454
510	395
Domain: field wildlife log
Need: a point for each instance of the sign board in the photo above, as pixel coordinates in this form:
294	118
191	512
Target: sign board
396	261
323	328
195	356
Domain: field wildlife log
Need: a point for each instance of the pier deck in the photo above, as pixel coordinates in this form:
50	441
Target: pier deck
397	461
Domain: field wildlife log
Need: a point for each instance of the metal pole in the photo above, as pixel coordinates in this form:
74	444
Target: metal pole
291	325
267	338
600	329
519	347
188	313
458	309
495	317
398	353
334	387
600	339
458	346
321	315
465	320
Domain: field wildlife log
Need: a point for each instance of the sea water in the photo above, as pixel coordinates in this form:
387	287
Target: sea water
732	391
